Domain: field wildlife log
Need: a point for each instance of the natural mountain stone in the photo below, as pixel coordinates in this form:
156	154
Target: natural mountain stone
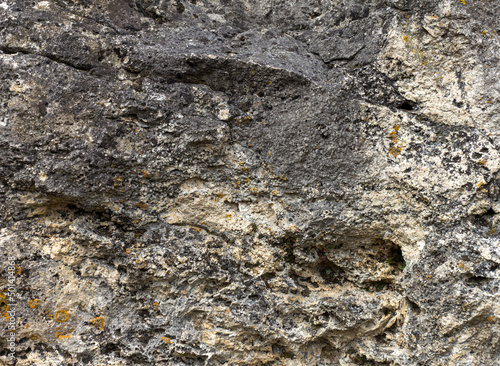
243	182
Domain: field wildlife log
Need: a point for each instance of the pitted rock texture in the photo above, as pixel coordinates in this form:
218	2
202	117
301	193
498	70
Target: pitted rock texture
249	182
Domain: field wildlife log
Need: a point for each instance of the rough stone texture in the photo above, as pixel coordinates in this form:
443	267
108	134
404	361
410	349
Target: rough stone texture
251	182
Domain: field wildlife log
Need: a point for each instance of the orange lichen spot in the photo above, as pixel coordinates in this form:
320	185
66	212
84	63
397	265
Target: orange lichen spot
18	270
405	38
228	217
220	195
245	169
480	184
61	316
236	184
127	251
275	192
293	228
166	340
247	180
227	311
284	178
462	265
144	173
461	2
62	335
141	205
394	137
33	337
33	303
488	101
4	308
98	322
155	305
253	189
491	319
395	151
482	162
484	32
197	229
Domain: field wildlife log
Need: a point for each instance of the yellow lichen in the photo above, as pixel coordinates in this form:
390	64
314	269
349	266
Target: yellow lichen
98	322
141	205
395	151
33	303
62	316
491	319
62	335
462	265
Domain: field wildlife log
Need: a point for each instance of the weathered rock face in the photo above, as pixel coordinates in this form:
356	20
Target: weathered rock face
250	182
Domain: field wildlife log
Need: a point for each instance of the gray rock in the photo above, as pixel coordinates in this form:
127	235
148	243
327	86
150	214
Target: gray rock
250	182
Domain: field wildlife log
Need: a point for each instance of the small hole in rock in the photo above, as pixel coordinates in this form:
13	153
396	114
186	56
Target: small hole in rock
405	106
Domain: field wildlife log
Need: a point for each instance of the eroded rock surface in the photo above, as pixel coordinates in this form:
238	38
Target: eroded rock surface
257	182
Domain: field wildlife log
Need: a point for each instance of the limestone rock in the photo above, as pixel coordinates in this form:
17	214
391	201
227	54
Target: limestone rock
243	182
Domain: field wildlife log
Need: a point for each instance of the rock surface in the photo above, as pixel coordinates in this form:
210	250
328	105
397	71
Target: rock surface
250	182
